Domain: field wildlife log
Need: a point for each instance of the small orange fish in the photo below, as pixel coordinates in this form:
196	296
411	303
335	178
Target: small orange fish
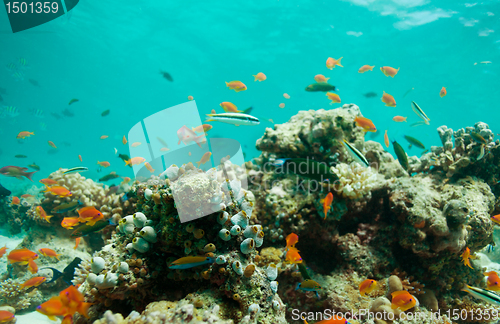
389	71
293	256
442	93
465	257
213	111
365	68
320	78
27	196
124	140
331	63
388	100
32	266
49	253
493	281
52	308
259	77
52	144
399	119
386	139
202	128
496	219
281	105
48	182
104	137
125	180
90	215
70	222
74	301
190	98
104	164
15	201
291	240
77	242
6	316
367	286
135	144
327	203
204	159
365	123
236	86
42	214
3	251
229	107
80	158
59	191
149	167
164	149
21	255
135	161
286	95
333	97
403	300
24	134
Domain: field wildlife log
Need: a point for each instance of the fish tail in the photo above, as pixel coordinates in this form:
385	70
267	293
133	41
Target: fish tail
338	62
47	218
83	309
29	175
247	111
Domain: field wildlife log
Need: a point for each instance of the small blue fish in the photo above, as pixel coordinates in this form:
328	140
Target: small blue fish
190	262
309	285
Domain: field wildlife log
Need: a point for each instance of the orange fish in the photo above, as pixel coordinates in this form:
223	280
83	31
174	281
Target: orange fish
74	301
90	215
32	266
42	214
77	241
187	136
365	68
442	93
367	286
466	256
190	98
52	308
386	139
80	158
403	300
125	180
259	77
6	316
33	282
164	149
389	71
149	167
124	140
281	105
236	86
135	144
27	196
24	134
202	128
293	256
69	222
3	251
15	201
48	182
213	111
366	124
59	191
493	281
104	137
52	144
49	253
229	107
399	119
327	203
286	95
388	100
291	240
320	78
496	219
104	164
68	319
21	255
333	97
333	320
135	161
204	159
331	63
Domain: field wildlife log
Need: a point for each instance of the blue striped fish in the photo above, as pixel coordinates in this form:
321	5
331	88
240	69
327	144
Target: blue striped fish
234	119
355	154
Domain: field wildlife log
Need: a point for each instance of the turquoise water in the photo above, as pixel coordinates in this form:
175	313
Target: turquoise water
108	55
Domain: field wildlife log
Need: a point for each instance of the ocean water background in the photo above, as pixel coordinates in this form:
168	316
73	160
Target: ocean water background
108	54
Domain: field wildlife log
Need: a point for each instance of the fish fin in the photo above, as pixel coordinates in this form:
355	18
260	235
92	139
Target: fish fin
47	218
83	309
247	111
209	120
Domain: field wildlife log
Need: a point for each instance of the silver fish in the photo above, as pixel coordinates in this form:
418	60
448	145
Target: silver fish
355	154
234	119
483	294
77	169
416	108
